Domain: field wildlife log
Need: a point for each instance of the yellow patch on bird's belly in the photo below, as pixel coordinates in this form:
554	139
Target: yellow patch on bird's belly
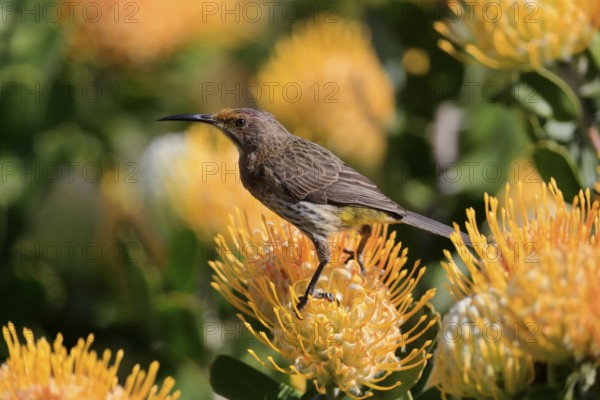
355	216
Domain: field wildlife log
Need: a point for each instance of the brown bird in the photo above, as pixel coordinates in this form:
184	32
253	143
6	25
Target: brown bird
307	185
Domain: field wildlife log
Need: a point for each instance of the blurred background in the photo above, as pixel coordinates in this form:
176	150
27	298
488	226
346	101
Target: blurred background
107	217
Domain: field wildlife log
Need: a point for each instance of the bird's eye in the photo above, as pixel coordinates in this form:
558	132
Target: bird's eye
240	122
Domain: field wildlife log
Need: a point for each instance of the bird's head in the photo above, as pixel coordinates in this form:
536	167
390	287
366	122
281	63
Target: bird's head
246	127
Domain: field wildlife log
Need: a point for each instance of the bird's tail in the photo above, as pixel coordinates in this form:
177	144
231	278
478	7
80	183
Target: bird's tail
428	224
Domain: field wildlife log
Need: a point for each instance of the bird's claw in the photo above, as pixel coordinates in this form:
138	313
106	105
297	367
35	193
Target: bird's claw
359	259
303	300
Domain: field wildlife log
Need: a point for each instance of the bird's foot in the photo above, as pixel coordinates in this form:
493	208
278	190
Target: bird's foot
350	254
358	259
301	304
303	301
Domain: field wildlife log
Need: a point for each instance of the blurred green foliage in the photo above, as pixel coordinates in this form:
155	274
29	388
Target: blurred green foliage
72	261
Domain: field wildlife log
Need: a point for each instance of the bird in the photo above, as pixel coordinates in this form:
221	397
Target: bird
308	186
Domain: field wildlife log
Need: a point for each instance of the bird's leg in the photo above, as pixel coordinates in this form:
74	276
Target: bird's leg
310	289
365	233
323	253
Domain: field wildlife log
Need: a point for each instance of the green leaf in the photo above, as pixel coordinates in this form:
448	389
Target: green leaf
234	380
548	87
531	100
560	131
553	161
588	164
591	88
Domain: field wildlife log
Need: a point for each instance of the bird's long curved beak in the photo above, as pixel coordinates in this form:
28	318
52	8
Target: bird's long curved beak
205	118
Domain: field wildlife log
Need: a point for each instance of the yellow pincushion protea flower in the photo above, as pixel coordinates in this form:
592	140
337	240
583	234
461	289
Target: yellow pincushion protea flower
136	33
556	304
546	267
473	359
522	172
328	86
521	34
352	343
43	371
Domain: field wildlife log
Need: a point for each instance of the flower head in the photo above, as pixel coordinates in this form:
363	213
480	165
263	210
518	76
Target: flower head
353	342
556	305
44	371
520	34
136	33
472	358
331	88
545	266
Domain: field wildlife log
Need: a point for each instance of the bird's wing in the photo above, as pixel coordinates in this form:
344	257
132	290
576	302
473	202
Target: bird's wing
312	173
352	188
305	169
